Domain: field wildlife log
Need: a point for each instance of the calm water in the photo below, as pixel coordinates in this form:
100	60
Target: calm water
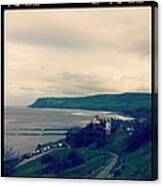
25	127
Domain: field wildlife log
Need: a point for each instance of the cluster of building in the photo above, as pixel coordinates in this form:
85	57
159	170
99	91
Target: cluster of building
110	123
103	122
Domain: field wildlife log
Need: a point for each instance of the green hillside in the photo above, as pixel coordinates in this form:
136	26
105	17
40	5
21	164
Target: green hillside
126	103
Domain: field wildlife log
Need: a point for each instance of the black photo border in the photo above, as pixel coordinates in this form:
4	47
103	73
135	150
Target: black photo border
154	67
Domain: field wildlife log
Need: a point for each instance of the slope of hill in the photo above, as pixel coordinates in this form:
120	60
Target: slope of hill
126	103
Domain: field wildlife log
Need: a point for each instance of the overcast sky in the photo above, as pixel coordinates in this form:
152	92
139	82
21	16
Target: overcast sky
76	53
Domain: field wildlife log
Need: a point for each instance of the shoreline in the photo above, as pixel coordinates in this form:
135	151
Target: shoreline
20	132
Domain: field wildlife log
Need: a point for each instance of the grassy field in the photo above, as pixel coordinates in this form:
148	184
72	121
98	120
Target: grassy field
132	164
136	165
88	169
93	159
116	142
36	167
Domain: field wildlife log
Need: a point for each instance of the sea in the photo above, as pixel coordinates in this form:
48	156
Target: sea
26	127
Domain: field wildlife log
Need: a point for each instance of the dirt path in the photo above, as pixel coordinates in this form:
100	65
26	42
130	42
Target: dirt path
105	172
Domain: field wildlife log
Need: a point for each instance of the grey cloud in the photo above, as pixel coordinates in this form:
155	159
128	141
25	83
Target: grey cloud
140	47
75	84
68	84
58	38
69	39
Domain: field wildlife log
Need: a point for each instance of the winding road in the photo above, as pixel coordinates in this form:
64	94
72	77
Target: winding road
105	172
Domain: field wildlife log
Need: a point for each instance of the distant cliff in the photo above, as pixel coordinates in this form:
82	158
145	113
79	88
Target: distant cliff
128	103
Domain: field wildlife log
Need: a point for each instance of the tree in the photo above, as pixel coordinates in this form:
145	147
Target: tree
73	159
11	159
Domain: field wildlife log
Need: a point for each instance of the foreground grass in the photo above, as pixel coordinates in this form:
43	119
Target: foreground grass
93	159
35	167
136	165
116	142
86	170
